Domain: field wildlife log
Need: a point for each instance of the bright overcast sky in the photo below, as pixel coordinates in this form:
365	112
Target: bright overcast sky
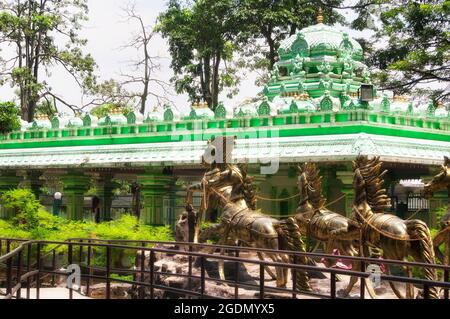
106	32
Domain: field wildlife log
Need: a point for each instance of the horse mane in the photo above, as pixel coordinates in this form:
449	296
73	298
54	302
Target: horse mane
369	183
247	188
314	186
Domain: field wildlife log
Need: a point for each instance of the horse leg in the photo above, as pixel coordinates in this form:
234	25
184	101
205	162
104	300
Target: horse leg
394	288
279	271
267	268
409	287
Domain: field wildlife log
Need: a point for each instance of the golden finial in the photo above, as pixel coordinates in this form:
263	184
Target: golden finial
320	15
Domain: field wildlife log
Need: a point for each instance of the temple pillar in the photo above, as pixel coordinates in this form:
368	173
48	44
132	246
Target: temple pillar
174	203
35	183
105	191
346	177
8	181
75	186
154	189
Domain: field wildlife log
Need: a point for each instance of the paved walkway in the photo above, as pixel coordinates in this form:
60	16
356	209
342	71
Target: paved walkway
52	294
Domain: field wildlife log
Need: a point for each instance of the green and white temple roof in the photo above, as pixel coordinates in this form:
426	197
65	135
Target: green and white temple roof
311	111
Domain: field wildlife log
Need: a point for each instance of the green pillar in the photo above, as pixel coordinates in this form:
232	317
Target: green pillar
35	182
154	189
173	200
346	178
75	186
8	181
105	188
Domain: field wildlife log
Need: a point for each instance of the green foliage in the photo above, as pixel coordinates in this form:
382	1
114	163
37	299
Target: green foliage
105	109
274	21
212	41
43	35
417	51
203	38
8	117
26	207
32	221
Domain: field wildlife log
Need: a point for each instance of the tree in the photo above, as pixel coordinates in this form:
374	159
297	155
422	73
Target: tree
8	117
107	108
203	37
44	34
146	64
274	21
415	55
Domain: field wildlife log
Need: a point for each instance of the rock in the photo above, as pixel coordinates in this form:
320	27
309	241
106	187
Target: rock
118	291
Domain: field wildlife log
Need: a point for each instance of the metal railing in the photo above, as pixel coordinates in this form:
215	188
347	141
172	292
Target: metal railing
25	267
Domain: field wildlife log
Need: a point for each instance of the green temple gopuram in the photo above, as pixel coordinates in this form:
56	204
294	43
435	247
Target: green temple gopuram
319	105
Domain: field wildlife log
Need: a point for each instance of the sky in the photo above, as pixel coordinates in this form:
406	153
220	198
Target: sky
107	31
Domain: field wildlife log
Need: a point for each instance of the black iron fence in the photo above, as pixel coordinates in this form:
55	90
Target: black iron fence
29	265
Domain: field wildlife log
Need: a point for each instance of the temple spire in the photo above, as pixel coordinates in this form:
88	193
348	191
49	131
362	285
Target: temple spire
320	15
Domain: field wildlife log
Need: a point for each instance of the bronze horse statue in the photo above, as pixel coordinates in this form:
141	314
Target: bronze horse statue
397	238
317	222
231	191
441	181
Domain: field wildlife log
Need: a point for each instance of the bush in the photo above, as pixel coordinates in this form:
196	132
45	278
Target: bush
31	221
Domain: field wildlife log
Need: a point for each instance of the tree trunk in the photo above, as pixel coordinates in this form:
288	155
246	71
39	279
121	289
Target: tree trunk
215	82
271	43
207	78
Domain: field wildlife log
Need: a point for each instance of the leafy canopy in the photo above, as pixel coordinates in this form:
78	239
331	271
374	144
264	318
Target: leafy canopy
43	35
8	117
415	45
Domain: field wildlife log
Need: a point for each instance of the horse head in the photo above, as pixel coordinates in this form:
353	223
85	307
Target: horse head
440	181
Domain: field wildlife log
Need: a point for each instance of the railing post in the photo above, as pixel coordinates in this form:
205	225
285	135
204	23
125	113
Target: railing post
53	266
333	285
29	248
152	274
9	276
108	272
190	269
294	279
261	281
446	279
88	283
80	257
142	288
19	274
362	290
236	276
202	277
426	291
70	261
38	266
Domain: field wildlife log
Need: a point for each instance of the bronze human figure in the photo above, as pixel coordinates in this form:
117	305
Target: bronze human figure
441	181
397	238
